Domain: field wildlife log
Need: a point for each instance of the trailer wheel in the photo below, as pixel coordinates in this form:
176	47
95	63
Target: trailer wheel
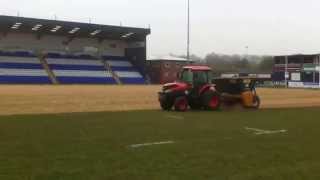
181	104
211	100
256	102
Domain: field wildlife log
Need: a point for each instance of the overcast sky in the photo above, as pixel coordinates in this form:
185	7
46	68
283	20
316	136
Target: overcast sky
222	26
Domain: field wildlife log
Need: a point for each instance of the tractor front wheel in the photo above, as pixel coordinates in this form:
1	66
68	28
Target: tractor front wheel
166	106
211	100
166	102
181	104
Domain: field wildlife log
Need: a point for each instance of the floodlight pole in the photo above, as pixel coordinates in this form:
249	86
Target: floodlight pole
188	41
247	52
286	72
318	70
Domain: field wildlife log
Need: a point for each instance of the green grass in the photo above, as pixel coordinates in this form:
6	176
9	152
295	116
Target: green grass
208	145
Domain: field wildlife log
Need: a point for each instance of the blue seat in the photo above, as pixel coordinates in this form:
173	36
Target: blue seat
123	68
133	80
28	71
85	80
70	56
88	71
20	66
86	56
120	58
23	54
54	55
76	67
24	80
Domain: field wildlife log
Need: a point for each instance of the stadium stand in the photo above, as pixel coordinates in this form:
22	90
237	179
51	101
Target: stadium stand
78	69
21	67
66	52
124	69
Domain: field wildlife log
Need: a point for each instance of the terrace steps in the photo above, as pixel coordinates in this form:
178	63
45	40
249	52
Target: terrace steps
114	75
51	75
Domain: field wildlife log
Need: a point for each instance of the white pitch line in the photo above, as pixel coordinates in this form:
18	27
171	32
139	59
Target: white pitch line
151	144
174	117
272	132
262	132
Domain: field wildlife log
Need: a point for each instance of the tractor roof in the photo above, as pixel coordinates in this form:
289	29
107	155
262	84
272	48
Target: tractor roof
198	68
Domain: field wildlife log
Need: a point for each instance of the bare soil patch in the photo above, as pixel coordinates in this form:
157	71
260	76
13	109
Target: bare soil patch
37	99
282	98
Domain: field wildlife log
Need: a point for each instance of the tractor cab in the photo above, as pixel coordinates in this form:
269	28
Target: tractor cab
196	76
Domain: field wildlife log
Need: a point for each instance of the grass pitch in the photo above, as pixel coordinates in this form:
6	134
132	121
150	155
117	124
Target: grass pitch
207	145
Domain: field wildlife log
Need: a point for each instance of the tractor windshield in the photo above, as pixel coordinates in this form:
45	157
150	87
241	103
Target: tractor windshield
196	77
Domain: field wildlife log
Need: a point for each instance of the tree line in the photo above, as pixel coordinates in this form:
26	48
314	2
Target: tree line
222	63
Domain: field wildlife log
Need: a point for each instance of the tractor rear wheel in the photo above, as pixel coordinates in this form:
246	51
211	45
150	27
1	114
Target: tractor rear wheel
181	104
211	100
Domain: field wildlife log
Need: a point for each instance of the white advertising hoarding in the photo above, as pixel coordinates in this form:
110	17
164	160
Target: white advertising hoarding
295	77
296	84
303	85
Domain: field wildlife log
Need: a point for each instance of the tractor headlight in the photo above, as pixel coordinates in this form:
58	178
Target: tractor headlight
167	91
186	92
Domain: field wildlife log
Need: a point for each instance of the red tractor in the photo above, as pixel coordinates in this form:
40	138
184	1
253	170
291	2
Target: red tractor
195	89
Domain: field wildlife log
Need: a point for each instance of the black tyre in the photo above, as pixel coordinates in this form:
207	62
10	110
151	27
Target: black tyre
181	104
194	105
256	102
211	101
166	105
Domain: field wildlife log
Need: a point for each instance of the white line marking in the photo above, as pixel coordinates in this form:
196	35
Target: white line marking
151	144
262	132
174	117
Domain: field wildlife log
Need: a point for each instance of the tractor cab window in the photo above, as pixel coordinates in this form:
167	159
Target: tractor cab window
196	77
187	76
200	77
